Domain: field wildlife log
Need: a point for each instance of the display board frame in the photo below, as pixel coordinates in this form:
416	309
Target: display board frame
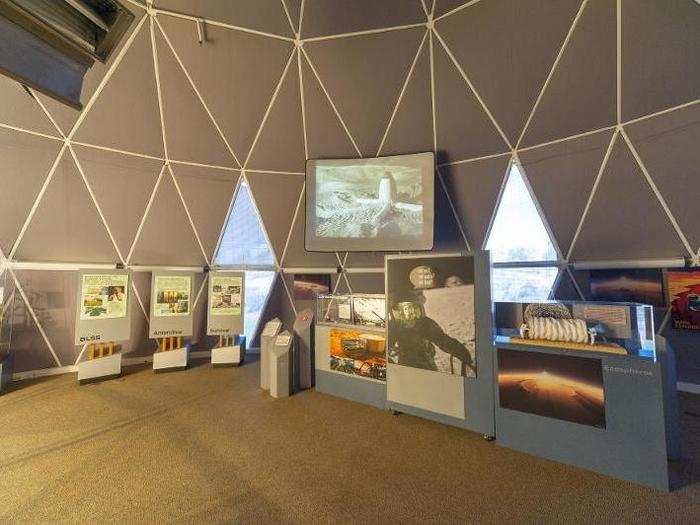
176	325
105	329
224	324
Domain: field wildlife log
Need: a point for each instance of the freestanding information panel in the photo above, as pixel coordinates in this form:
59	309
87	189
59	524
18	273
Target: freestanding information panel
439	339
267	343
102	319
303	349
171	318
225	317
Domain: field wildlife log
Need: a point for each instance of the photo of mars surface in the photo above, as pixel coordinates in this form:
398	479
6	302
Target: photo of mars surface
308	286
556	386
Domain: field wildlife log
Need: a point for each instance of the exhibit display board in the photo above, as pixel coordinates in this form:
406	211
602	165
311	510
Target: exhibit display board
226	303
103	304
439	338
172	303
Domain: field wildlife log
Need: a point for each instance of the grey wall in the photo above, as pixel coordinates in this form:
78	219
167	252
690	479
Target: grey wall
248	104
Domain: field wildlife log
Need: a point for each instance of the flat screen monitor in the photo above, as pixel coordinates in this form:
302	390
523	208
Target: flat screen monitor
378	204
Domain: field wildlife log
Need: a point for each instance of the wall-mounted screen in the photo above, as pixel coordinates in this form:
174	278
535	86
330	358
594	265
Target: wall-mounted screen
379	204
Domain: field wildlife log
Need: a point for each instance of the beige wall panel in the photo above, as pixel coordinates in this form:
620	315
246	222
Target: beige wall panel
125	115
668	146
190	133
25	162
660	55
167	237
582	94
19	108
122	185
66	225
366	282
280	146
507	48
625	220
562	177
464	130
276	197
207	193
364	76
448	237
297	256
444	6
332	17
235	72
474	189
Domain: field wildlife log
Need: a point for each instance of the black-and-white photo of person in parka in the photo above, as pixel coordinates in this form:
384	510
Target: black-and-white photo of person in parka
431	313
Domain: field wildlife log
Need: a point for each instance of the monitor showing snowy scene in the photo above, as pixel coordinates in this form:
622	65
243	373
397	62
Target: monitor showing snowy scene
376	204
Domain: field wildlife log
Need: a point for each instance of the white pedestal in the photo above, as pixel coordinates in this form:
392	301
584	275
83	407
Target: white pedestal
267	343
5	371
227	356
100	369
280	372
171	360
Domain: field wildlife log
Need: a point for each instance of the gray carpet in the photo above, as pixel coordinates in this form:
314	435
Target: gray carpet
206	445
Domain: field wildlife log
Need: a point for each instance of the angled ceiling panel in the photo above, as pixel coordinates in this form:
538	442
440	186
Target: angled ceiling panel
448	237
260	15
325	134
464	130
19	109
562	177
280	146
65	116
507	49
411	131
565	289
125	115
207	193
140	344
276	197
190	133
474	188
29	347
296	254
26	161
333	17
365	260
294	9
364	76
582	94
366	282
625	219
236	74
66	226
445	6
660	55
122	185
668	147
52	295
167	237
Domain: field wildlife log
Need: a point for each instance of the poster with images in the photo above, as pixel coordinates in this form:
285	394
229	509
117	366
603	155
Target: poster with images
172	295
684	298
226	295
103	296
369	311
431	313
628	285
563	387
308	286
356	353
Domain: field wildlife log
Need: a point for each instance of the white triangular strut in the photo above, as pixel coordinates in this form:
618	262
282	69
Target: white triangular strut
518	232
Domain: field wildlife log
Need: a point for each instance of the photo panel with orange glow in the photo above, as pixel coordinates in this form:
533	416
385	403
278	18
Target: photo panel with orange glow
358	353
557	386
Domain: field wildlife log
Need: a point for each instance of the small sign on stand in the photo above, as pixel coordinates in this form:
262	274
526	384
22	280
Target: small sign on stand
267	343
225	315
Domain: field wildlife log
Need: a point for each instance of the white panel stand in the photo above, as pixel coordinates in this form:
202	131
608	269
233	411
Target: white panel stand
171	360
100	369
280	366
267	343
224	356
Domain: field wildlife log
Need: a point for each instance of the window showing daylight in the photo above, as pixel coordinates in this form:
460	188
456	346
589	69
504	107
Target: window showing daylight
244	246
518	235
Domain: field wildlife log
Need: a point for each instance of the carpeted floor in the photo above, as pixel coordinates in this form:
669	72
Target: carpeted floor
206	445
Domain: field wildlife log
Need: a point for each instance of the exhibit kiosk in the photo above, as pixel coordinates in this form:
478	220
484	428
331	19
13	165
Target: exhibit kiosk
267	343
225	317
102	320
171	320
280	366
303	349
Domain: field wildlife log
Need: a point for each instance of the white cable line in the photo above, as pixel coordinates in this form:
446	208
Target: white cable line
335	109
474	159
552	70
401	94
618	16
364	32
441	180
46	111
661	112
303	106
566	139
289	296
159	91
145	214
499	197
575	283
301	15
274	172
199	293
425	9
197	93
289	18
120	151
457	9
291	228
201	165
433	111
30	132
598	177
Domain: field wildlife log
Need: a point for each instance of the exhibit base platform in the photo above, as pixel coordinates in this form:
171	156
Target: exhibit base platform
6	370
357	389
171	360
226	356
99	369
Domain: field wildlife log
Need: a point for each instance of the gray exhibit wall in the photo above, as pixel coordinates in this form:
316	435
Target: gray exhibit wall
241	106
